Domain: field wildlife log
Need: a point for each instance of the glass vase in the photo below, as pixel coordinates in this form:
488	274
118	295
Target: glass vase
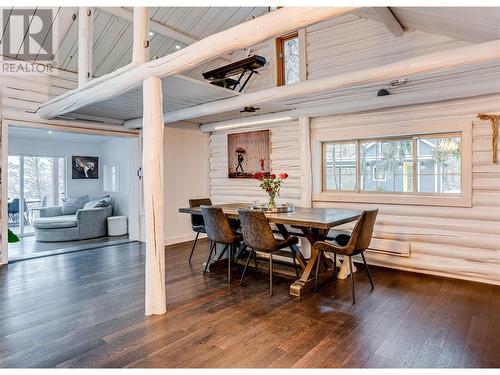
272	204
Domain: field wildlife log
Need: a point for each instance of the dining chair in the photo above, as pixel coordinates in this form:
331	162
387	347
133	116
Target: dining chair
258	236
219	231
358	242
197	223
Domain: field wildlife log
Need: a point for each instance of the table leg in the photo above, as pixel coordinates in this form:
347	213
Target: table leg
306	281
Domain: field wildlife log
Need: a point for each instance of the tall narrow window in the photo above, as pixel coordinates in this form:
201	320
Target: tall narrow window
287	53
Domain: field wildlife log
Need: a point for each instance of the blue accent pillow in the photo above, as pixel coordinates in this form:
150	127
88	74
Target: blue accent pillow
72	204
102	202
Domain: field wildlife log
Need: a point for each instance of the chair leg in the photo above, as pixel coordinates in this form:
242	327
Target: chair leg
271	274
229	261
212	245
194	244
367	270
246	265
255	261
352	281
295	263
318	261
334	266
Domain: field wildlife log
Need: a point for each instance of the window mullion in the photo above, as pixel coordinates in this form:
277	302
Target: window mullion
414	169
358	172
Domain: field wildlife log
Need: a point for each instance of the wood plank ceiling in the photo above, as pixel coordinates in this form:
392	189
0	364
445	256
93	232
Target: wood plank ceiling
112	36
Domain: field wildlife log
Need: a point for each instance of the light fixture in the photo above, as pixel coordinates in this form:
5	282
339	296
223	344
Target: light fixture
383	92
50	132
255	122
151	33
177	46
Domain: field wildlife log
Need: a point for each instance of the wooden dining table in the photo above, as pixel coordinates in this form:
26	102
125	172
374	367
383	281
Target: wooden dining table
313	223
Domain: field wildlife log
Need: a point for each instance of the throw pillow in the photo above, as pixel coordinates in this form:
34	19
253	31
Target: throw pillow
72	204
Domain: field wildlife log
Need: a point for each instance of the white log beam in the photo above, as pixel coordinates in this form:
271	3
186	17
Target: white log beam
154	210
240	36
439	60
84	45
385	16
140	47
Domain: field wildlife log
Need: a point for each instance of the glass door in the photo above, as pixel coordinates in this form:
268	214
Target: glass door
34	182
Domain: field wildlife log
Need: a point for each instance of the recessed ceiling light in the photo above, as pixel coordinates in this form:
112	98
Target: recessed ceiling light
177	46
50	131
151	33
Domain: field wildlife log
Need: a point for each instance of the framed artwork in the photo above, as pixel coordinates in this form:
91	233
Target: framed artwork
84	167
248	153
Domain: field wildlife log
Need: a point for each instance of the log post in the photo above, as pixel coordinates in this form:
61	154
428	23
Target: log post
84	45
305	174
140	50
152	162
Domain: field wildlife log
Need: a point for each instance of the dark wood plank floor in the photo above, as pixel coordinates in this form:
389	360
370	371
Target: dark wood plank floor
85	309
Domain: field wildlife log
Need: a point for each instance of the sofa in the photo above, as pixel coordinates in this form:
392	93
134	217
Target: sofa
53	226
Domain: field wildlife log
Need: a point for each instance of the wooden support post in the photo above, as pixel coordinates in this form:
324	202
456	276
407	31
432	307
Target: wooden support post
84	45
140	51
494	120
152	163
305	174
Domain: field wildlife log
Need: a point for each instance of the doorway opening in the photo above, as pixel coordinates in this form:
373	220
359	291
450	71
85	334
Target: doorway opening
64	187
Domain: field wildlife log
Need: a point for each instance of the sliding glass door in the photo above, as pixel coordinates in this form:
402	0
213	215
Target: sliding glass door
34	182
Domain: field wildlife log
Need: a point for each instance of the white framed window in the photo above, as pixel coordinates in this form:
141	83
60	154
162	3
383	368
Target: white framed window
111	178
425	168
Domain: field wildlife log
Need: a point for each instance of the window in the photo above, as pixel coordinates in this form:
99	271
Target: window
287	53
392	165
111	178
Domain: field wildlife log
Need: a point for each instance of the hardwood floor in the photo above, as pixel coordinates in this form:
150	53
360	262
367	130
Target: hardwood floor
85	309
28	247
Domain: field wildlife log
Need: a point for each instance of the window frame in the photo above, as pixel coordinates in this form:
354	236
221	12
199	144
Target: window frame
280	61
379	133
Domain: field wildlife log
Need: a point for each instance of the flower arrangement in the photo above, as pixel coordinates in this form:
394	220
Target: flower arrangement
272	185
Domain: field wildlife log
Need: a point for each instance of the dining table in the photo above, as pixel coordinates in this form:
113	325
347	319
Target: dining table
311	223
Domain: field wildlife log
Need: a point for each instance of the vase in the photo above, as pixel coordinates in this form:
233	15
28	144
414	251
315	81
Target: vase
272	204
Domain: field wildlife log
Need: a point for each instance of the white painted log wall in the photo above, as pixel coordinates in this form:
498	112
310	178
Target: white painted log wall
285	151
451	241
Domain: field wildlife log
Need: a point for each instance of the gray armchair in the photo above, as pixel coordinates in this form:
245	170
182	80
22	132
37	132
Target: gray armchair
52	226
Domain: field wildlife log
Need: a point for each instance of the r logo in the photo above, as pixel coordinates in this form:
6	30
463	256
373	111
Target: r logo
28	34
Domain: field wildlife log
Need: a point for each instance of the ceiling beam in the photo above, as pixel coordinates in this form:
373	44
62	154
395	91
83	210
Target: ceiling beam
240	36
439	60
383	15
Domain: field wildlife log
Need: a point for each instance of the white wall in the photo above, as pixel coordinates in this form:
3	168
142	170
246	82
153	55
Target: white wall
117	151
186	177
42	147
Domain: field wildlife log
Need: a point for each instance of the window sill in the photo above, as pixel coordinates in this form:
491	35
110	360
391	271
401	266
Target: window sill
462	200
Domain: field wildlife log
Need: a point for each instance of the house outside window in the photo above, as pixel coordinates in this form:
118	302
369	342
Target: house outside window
394	165
288	65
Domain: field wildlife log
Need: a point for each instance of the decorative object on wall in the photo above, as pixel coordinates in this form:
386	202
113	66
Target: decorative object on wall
248	154
272	185
85	167
494	119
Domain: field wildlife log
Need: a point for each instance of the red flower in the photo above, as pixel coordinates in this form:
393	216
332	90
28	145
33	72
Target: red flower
283	176
269	190
258	175
273	176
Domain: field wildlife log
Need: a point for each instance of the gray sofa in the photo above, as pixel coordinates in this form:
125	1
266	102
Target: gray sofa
52	226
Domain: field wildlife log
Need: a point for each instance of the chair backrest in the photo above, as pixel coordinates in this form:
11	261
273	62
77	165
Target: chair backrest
197	220
257	232
362	232
14	206
44	201
217	225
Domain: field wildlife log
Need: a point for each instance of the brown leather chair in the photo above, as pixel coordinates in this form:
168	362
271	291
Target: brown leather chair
219	231
258	236
359	241
197	222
